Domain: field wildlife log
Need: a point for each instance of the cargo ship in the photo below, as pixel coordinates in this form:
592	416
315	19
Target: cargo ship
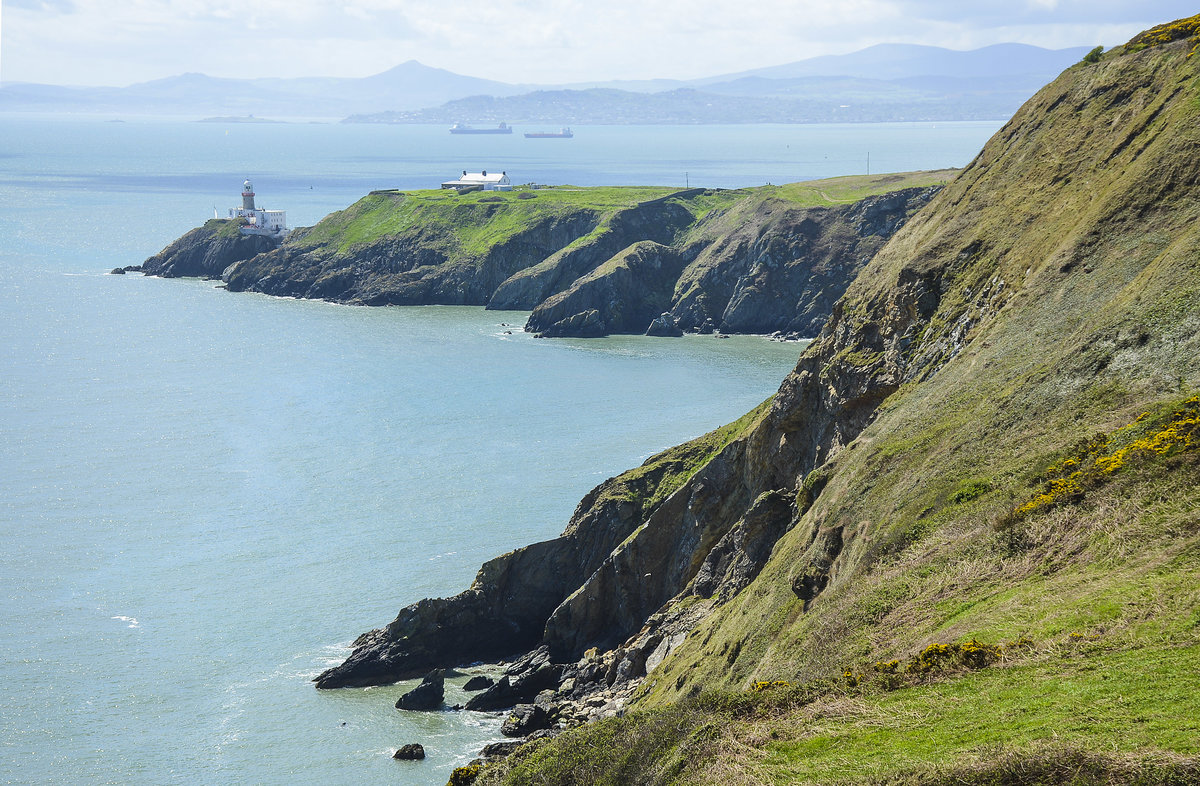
563	134
463	128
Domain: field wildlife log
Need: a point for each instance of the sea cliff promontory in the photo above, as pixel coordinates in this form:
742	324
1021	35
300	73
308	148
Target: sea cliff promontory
586	261
208	251
959	545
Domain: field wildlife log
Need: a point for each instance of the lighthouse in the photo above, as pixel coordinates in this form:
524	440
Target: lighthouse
256	220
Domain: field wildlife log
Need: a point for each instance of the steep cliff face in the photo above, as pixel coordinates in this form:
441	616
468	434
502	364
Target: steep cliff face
774	266
207	251
1024	310
994	438
506	608
1047	294
623	295
656	220
764	264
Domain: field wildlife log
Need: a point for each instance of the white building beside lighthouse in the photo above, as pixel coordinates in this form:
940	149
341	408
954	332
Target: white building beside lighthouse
258	221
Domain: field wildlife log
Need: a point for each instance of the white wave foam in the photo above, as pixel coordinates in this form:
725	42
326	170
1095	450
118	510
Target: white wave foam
133	623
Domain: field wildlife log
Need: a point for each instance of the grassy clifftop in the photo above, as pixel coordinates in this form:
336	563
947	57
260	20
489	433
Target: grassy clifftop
991	572
477	221
470	224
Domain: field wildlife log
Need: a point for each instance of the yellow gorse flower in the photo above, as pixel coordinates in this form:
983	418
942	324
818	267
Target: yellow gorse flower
1099	459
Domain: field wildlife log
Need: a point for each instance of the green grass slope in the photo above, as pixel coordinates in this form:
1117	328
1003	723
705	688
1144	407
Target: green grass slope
470	223
1026	491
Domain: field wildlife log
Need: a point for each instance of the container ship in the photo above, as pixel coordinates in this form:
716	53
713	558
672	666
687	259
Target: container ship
563	134
463	128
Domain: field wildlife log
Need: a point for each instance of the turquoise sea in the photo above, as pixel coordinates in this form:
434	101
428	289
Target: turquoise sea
204	497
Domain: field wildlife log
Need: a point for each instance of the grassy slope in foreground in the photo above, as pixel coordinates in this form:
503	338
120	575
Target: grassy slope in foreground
1069	305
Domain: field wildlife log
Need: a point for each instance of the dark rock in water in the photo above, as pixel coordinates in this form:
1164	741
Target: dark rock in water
426	696
412	751
117	271
479	682
499	750
497	697
525	719
664	325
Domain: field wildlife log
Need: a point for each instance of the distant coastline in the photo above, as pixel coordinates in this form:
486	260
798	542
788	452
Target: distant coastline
239	119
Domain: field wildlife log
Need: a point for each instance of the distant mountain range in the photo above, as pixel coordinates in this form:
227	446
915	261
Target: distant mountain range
884	82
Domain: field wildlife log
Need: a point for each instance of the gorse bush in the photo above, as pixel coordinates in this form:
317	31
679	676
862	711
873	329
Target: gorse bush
1094	462
1188	28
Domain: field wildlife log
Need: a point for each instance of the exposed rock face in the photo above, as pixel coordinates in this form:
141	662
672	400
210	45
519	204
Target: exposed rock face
658	221
626	293
499	750
622	562
506	608
784	267
632	577
523	681
207	251
765	265
525	719
664	325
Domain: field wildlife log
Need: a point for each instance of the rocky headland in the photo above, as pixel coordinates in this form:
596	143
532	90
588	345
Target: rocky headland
981	479
207	251
586	261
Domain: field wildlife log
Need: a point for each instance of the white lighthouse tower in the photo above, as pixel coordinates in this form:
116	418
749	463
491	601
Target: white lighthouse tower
258	221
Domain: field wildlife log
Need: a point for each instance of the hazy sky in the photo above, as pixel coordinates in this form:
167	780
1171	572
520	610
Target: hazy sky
118	42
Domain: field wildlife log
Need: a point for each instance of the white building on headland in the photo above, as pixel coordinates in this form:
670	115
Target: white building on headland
258	221
482	180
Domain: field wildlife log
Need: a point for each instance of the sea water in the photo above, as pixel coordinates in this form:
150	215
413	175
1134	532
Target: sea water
205	496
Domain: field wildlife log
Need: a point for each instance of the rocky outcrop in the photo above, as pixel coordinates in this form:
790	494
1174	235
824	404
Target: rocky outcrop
658	220
641	562
664	325
478	682
426	696
775	266
413	751
506	608
765	265
623	295
207	251
935	316
1008	312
